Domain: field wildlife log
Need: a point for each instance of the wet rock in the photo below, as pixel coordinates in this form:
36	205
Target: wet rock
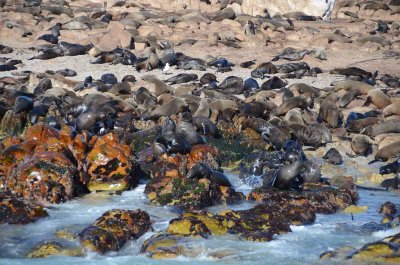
355	209
190	194
16	210
323	200
167	246
113	229
110	166
47	177
189	226
235	143
340	253
55	249
342	182
13	124
372	251
388	208
260	223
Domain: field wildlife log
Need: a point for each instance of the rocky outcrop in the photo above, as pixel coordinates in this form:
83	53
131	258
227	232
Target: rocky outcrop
109	165
113	229
16	210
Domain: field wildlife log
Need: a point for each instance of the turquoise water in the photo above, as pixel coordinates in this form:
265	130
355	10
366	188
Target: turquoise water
302	246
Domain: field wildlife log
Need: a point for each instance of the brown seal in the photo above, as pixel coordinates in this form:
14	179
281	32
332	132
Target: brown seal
378	98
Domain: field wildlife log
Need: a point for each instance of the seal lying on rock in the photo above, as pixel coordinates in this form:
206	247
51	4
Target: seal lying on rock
201	170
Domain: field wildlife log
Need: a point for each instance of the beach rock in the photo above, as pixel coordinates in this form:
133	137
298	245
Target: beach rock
340	253
46	177
235	143
48	249
167	246
13	124
188	226
377	251
355	209
110	166
322	200
113	229
16	210
259	223
189	194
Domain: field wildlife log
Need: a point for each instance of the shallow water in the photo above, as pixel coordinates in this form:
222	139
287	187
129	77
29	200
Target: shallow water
302	246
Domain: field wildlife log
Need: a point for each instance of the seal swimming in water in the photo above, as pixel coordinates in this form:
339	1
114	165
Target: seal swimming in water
201	170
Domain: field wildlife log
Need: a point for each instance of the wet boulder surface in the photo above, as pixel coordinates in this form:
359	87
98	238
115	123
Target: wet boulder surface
16	210
113	229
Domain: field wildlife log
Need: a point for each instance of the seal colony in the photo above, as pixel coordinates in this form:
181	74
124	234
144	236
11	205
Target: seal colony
145	94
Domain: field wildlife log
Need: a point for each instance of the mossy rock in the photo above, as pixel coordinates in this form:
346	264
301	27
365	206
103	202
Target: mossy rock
55	249
189	194
375	250
167	246
113	229
188	226
340	253
355	209
16	210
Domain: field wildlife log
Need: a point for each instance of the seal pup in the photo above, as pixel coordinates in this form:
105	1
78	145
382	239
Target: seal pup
361	145
333	156
201	170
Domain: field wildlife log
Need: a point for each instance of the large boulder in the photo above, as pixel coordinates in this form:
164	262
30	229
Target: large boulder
16	210
113	229
110	165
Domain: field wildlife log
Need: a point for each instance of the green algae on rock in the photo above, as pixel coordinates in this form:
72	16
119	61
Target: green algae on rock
48	249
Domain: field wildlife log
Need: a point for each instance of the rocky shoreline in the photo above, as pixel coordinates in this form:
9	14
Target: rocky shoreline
99	98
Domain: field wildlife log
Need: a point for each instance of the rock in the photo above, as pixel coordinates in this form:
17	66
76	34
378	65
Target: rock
235	143
166	246
55	249
388	208
372	251
46	177
116	37
13	124
259	223
190	194
109	165
340	253
188	226
16	210
322	200
342	182
113	229
354	209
